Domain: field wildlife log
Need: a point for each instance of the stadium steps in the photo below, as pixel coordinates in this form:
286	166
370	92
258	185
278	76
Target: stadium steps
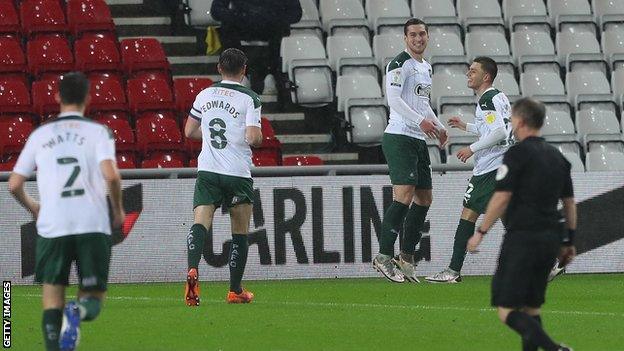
143	26
135	8
304	144
175	45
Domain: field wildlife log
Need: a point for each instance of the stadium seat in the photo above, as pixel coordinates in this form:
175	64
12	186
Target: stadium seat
149	94
602	8
310	23
506	81
11	56
575	161
449	80
97	53
340	47
478	8
193	162
558	126
186	90
607	161
617	84
155	131
166	160
541	80
612	44
143	54
9	20
200	15
583	42
594	125
267	129
107	94
558	8
433	8
342	13
368	119
42	16
89	16
126	160
581	83
386	47
49	54
7	166
43	101
486	43
382	13
300	47
443	42
118	124
260	161
348	87
515	8
302	161
14	132
531	42
14	96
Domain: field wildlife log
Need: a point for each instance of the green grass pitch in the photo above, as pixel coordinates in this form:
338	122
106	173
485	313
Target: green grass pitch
584	311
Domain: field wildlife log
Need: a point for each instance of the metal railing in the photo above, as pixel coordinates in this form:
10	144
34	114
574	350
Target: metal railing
278	171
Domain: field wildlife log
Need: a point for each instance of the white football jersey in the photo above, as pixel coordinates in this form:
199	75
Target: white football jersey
225	109
413	78
66	152
493	111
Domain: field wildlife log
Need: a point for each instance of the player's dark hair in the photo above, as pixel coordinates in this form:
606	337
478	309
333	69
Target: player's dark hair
488	65
414	21
73	88
232	61
531	111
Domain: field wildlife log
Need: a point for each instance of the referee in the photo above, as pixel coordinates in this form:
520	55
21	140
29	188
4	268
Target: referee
532	179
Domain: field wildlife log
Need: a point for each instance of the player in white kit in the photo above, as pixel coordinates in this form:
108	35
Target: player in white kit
493	127
408	87
75	162
226	117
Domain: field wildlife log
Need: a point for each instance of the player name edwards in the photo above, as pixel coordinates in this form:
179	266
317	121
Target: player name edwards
6	314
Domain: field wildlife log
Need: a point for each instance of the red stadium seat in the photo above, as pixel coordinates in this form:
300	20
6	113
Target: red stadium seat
97	53
13	134
143	54
302	161
186	89
49	54
149	94
267	128
43	92
107	94
8	166
42	16
193	147
163	160
124	136
155	131
14	96
11	55
89	16
260	161
9	20
126	160
274	151
152	74
193	162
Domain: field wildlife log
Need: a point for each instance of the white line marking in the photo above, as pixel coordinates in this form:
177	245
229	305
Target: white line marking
349	305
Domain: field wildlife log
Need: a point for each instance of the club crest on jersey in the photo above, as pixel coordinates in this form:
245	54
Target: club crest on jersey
422	90
490	118
396	78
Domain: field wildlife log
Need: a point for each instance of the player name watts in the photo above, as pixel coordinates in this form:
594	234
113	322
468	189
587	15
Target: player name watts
6	314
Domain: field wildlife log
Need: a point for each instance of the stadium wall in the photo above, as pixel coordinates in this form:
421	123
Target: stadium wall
310	227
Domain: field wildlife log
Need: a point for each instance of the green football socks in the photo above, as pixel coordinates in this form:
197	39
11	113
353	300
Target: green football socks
195	244
89	308
51	327
413	225
391	226
238	260
465	229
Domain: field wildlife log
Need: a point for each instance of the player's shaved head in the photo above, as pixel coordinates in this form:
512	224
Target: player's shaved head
232	62
488	66
73	88
531	111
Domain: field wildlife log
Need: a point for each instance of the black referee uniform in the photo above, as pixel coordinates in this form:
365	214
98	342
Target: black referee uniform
538	176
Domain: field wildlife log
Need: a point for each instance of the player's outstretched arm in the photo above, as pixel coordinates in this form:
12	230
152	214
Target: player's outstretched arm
192	129
113	180
16	187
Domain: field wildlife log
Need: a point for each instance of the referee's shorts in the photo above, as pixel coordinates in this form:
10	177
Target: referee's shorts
525	260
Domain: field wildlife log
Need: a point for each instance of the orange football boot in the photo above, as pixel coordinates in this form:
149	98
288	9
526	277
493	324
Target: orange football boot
244	297
191	291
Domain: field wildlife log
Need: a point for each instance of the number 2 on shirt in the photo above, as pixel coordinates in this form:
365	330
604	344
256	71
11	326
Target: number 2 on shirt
72	178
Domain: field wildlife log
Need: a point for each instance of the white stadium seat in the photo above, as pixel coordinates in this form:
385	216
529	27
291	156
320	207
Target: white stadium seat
478	8
346	46
617	84
612	44
575	161
386	47
200	14
482	43
558	126
360	98
449	81
505	81
607	161
433	8
597	125
584	82
565	8
569	42
342	13
300	47
386	13
351	86
541	80
514	8
531	42
444	41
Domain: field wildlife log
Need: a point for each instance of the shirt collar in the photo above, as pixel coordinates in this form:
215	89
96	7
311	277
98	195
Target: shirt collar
70	113
230	82
486	90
